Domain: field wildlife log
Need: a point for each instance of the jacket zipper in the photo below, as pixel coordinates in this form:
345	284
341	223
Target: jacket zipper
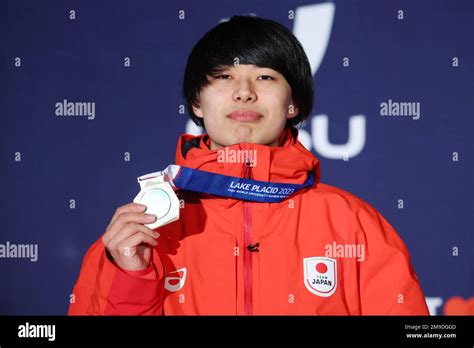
248	300
247	259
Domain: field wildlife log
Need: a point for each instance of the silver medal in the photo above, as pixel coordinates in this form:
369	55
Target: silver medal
158	196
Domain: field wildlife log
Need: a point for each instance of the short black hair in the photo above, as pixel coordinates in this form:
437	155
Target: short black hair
253	40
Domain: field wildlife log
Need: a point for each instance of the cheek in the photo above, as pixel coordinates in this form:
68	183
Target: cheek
277	103
277	97
212	100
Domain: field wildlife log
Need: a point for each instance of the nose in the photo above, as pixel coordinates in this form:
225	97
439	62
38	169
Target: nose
244	92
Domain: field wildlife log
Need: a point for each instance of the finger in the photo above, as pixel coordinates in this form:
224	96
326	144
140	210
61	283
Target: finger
127	246
127	208
130	229
126	218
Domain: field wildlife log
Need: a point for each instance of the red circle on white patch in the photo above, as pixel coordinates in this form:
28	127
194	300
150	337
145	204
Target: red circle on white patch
321	267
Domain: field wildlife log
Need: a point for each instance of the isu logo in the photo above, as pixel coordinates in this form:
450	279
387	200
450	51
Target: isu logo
320	275
174	284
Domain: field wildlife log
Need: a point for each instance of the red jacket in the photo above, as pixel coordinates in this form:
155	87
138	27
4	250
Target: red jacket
322	251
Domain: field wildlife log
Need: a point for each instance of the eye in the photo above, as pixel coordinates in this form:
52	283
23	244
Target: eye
267	77
223	77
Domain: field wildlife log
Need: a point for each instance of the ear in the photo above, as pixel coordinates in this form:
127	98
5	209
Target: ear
292	110
197	109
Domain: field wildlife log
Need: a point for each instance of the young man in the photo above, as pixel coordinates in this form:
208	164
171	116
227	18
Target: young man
274	241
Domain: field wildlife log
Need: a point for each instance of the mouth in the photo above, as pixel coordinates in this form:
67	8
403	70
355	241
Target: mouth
245	116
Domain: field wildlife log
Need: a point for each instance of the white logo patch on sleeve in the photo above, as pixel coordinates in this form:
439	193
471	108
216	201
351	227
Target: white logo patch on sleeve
174	284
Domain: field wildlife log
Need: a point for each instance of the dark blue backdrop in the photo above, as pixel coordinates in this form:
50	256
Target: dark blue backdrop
62	177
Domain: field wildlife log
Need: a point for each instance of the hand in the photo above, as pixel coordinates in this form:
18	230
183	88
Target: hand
128	240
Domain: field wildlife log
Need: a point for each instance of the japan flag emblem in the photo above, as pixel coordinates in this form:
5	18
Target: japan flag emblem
320	275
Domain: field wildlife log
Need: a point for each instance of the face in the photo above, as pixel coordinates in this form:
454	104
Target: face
245	103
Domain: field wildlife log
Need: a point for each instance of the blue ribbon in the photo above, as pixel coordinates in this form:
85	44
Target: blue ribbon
237	188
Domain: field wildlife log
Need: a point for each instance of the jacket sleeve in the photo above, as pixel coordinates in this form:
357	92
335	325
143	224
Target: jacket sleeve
388	284
105	289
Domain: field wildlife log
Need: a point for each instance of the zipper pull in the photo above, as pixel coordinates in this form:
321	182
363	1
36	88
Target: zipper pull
248	169
253	247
